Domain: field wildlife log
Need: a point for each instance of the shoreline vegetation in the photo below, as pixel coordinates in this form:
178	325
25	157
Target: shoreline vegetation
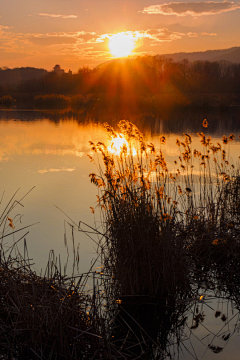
148	83
149	104
169	242
152	104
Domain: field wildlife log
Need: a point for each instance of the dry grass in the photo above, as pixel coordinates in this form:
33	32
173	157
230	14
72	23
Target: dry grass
49	316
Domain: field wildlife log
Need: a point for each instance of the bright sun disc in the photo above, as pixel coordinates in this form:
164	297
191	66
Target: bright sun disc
121	44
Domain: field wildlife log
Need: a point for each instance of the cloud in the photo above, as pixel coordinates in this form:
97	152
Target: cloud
5	27
79	45
191	8
156	36
208	34
75	41
58	16
15	40
43	171
163	35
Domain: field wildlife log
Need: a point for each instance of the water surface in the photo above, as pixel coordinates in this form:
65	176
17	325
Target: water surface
49	152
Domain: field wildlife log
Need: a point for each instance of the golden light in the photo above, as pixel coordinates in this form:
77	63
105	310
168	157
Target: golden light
121	44
118	144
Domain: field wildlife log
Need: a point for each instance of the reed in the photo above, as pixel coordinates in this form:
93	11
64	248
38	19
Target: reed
49	315
168	234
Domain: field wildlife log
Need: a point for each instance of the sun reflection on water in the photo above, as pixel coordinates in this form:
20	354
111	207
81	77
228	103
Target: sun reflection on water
120	144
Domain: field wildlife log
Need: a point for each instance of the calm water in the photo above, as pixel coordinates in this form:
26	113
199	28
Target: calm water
49	151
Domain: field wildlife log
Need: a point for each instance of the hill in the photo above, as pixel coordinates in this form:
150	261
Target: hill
232	55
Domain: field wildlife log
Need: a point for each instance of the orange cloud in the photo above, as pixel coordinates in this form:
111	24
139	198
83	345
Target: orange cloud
43	171
58	16
156	36
208	34
72	47
191	8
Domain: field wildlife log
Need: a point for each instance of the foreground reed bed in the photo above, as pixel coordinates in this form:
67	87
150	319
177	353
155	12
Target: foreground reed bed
49	315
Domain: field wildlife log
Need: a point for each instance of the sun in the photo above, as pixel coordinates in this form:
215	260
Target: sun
121	44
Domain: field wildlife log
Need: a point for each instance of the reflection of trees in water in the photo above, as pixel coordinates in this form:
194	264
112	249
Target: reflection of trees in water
220	122
177	121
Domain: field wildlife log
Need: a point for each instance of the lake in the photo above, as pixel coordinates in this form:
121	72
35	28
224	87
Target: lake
48	151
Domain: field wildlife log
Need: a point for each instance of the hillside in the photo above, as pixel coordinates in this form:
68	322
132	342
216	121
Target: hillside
232	55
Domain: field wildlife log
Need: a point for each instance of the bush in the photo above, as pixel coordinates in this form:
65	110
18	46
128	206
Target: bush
52	101
78	101
6	101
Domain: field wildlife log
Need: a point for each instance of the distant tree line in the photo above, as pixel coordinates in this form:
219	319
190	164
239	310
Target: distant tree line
152	80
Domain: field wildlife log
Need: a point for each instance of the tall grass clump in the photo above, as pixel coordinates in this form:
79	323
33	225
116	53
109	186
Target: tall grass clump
49	315
167	233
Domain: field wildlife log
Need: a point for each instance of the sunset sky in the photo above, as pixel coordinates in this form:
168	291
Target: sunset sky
76	33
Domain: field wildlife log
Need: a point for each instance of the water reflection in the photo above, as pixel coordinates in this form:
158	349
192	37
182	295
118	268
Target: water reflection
172	121
117	144
53	159
49	152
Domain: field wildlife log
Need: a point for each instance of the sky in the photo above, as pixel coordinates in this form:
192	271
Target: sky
76	33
